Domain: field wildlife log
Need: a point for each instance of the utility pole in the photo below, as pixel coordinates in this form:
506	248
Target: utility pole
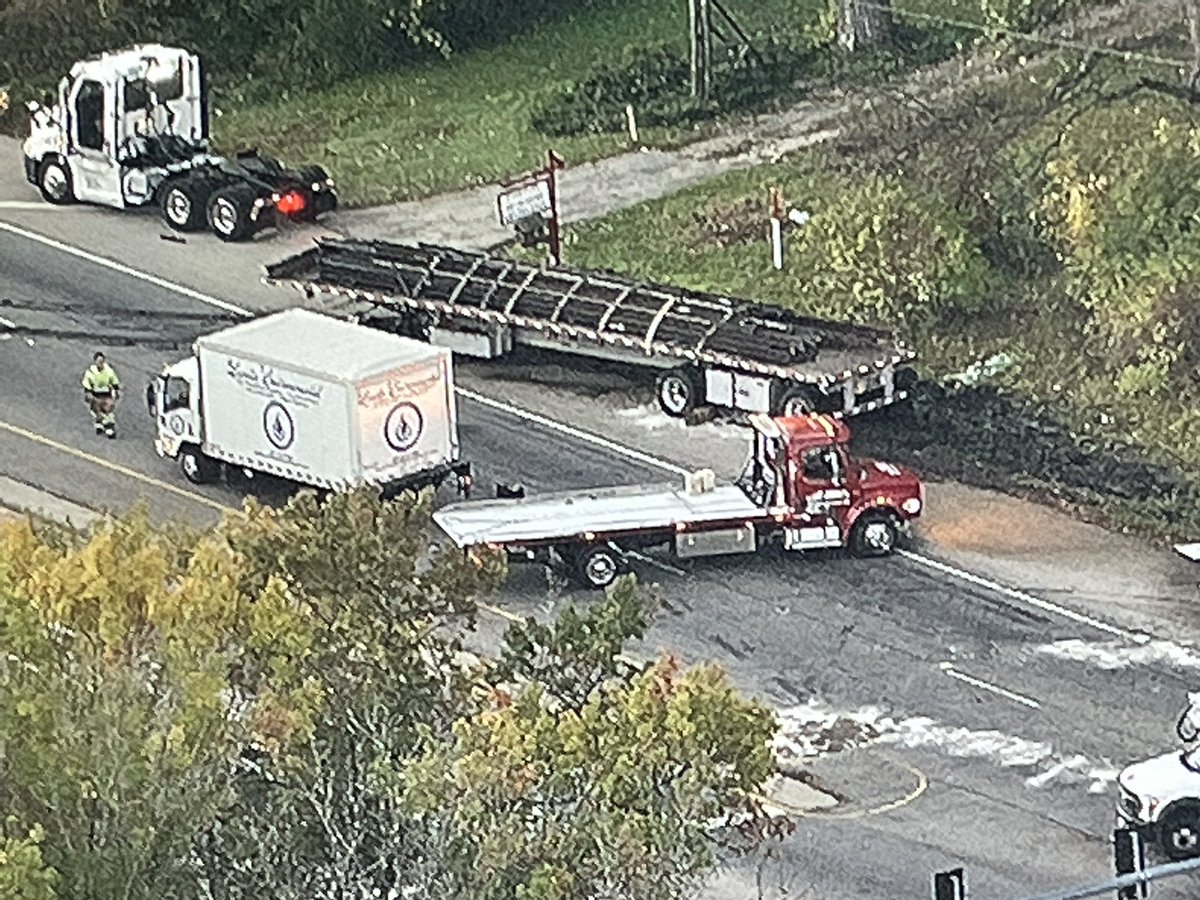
554	163
701	19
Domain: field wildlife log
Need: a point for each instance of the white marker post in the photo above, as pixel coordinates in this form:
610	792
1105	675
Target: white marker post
777	216
631	121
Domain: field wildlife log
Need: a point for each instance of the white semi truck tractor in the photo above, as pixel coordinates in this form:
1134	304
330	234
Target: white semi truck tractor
312	400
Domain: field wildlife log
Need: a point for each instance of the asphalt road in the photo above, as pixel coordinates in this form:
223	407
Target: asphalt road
983	740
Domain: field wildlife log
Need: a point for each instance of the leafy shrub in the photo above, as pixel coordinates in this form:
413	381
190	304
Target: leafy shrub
878	250
1125	210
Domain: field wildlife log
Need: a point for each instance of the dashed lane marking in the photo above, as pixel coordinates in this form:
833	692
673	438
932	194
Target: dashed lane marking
948	669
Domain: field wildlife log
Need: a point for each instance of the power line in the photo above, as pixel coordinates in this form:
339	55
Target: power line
1126	55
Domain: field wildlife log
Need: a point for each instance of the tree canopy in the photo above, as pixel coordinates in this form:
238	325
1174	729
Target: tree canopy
283	706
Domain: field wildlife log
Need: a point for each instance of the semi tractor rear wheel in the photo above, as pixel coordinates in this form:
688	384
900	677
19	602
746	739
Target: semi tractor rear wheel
183	202
229	212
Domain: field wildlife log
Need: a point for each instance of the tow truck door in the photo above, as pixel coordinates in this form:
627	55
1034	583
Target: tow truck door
92	141
821	499
822	490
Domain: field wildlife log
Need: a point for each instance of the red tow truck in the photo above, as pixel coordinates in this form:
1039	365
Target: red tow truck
799	489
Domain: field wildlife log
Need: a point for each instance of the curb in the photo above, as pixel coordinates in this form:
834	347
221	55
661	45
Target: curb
20	497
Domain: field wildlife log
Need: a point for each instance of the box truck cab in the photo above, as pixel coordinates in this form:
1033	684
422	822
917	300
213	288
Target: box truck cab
312	400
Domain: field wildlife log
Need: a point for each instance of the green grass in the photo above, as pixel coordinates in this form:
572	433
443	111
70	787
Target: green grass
447	125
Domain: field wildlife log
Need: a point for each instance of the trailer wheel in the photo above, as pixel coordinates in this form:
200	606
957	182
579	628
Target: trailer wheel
183	202
229	212
597	566
874	534
1179	831
196	467
795	400
54	181
676	391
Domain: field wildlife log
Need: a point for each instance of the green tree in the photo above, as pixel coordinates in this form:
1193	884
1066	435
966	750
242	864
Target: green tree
618	799
24	875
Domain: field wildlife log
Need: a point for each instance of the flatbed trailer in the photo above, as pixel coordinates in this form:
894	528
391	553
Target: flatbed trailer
799	488
704	348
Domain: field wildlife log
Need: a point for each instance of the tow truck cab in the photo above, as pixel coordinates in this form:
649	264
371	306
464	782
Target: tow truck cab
800	468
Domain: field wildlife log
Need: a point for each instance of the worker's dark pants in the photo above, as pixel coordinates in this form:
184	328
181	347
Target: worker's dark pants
103	408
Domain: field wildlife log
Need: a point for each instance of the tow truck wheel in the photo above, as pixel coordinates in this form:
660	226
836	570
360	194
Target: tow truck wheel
54	181
229	212
196	467
874	534
676	392
1180	831
598	566
182	203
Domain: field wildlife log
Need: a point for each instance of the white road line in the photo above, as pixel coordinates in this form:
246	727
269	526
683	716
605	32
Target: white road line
963	575
649	560
948	669
528	416
33	205
586	437
124	269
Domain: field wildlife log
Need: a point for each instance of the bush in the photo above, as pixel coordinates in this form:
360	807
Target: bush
1125	211
878	250
267	43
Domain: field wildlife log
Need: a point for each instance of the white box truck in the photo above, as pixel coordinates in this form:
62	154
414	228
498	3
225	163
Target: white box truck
312	400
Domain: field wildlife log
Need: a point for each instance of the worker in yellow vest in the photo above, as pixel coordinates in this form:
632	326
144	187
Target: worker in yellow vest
101	388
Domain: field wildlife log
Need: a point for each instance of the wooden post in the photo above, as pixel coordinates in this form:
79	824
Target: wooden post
555	162
701	20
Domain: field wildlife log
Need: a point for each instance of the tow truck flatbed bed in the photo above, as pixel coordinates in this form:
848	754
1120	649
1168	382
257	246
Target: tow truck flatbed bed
614	510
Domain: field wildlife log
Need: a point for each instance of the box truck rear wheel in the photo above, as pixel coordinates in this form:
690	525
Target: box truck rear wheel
196	467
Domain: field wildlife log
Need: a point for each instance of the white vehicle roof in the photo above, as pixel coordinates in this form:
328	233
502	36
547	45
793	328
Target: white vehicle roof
328	348
1189	551
601	511
130	62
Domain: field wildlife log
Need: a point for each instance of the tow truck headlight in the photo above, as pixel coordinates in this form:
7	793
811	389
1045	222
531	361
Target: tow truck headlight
912	506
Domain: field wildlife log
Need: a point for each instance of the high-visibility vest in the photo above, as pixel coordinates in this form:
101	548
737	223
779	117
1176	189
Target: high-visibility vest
101	380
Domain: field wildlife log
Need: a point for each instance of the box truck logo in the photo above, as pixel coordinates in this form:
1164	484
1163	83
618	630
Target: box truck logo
403	426
278	425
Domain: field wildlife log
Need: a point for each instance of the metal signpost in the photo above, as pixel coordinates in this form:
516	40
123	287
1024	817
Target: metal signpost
530	205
